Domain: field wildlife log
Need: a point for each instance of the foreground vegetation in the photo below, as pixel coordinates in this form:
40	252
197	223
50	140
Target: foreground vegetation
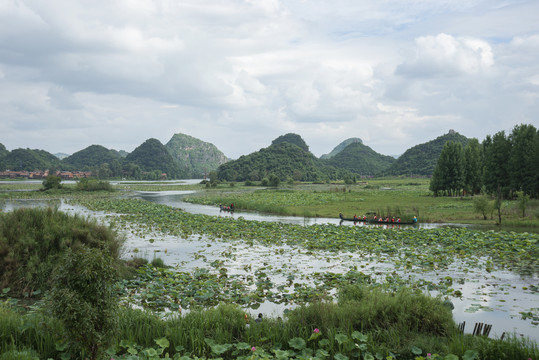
365	323
364	320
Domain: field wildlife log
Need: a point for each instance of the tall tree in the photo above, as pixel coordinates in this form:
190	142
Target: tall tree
521	167
448	173
496	150
473	168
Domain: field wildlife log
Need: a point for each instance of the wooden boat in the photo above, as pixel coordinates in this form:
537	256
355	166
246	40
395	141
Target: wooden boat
377	221
226	208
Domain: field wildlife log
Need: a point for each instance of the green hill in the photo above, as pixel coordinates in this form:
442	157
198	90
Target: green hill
195	157
282	158
153	156
291	139
360	159
92	156
341	147
29	160
421	159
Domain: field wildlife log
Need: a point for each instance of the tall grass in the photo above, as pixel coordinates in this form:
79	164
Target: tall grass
31	240
392	323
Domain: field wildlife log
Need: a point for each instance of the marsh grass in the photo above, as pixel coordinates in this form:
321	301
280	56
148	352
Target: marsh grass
402	198
378	322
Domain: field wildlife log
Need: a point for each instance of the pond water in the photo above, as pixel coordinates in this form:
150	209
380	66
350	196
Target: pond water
499	298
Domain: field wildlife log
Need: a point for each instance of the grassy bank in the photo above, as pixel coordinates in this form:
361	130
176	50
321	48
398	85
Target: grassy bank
403	198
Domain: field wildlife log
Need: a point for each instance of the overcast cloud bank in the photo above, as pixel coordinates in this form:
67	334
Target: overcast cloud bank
239	73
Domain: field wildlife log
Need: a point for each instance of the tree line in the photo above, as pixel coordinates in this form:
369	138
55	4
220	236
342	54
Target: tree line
502	166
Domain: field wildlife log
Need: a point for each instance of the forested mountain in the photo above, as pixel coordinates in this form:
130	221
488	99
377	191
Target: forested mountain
341	147
195	157
282	158
291	139
360	159
152	156
421	159
29	160
92	156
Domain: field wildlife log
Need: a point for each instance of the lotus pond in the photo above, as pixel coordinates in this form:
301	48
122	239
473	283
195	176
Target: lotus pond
272	266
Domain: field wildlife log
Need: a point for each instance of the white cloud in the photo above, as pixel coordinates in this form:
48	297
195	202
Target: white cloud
239	73
445	55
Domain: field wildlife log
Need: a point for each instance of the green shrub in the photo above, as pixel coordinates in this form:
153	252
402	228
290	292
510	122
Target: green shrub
84	299
31	240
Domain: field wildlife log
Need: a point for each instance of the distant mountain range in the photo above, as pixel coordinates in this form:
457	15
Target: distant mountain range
184	156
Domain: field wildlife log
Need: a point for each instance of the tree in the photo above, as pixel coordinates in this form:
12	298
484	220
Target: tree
473	168
83	298
522	201
496	175
449	171
521	167
482	204
52	182
274	180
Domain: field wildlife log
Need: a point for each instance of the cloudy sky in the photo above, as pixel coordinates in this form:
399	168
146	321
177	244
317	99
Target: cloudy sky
239	73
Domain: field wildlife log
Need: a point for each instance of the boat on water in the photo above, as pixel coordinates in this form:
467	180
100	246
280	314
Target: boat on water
377	221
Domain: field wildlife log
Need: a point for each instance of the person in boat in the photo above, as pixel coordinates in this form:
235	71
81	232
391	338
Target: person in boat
414	219
399	220
232	206
364	217
355	217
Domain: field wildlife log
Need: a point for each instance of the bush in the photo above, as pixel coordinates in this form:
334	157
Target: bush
86	184
52	182
32	239
84	299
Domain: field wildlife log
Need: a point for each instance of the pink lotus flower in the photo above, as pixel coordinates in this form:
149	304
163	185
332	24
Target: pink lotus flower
317	330
253	349
428	355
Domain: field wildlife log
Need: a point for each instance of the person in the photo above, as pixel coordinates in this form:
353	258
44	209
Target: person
259	318
415	219
399	220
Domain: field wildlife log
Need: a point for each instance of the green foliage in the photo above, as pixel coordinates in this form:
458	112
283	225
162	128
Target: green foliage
291	139
448	175
86	184
31	240
153	156
473	167
195	157
282	159
29	160
361	159
94	156
421	159
341	147
52	182
522	163
83	298
522	201
274	180
482	205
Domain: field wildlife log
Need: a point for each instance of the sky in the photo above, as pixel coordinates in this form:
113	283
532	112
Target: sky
240	73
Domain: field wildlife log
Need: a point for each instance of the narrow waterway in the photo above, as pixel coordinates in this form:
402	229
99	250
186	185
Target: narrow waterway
501	298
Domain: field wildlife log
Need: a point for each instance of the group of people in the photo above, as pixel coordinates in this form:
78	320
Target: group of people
387	219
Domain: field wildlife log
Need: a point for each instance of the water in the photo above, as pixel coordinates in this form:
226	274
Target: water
497	298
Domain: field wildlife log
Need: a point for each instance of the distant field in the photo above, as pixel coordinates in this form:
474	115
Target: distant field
386	197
